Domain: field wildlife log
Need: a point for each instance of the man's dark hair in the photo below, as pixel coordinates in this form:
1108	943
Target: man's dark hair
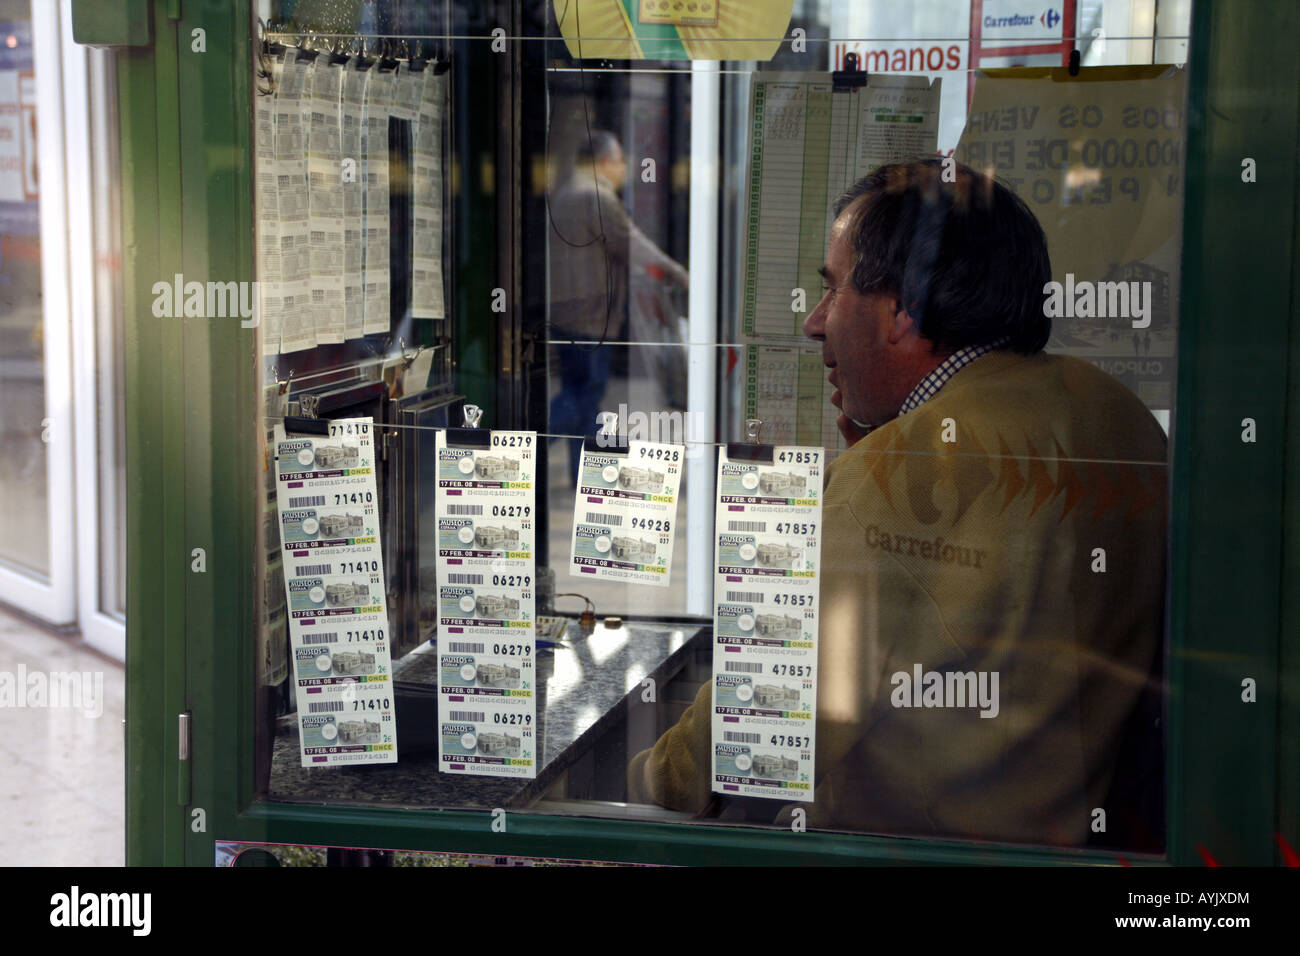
967	258
600	145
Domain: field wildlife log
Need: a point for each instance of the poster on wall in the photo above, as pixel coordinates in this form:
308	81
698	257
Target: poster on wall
808	143
1099	160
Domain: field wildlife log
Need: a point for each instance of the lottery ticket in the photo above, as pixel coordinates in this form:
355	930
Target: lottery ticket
334	584
487	664
625	512
767	556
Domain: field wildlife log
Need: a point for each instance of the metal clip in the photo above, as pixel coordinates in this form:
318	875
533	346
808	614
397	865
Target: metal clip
472	415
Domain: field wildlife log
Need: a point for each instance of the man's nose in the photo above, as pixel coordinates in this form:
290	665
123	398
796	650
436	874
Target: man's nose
815	325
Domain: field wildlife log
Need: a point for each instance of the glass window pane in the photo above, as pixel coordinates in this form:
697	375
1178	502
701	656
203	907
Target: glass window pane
23	475
981	655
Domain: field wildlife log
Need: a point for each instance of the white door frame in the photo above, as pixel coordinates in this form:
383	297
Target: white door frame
92	379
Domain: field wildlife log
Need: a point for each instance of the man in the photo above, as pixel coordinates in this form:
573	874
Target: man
999	521
594	247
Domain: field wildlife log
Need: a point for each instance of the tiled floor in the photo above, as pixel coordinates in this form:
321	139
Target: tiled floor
61	770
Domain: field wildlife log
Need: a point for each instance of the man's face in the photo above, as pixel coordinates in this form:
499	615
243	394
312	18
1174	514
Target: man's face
859	337
613	168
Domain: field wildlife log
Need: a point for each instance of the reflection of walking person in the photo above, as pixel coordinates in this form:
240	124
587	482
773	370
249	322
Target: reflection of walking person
1137	344
1146	343
594	246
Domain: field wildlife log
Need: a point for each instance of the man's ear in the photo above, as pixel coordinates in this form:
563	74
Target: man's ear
902	324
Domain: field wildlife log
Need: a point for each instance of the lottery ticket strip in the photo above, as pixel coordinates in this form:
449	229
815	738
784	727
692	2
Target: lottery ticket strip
487	684
335	594
768	554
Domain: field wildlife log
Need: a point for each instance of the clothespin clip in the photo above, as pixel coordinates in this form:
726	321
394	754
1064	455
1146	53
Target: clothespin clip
470	435
851	78
306	420
751	449
607	438
408	359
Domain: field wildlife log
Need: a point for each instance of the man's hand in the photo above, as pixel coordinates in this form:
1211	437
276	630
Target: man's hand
848	428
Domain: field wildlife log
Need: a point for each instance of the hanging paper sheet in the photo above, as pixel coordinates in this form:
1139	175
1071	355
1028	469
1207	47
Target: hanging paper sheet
374	148
325	186
296	329
426	239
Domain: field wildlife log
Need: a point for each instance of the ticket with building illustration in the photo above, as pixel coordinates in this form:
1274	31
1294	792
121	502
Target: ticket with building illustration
336	594
357	725
476	738
473	537
767	547
507	463
775	765
767	618
486	586
625	512
309	526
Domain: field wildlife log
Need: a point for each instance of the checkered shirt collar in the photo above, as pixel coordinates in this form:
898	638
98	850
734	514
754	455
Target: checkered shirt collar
929	386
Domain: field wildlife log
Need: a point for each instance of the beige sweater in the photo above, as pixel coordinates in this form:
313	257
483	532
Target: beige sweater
976	555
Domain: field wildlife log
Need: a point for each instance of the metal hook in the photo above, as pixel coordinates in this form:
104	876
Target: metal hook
286	383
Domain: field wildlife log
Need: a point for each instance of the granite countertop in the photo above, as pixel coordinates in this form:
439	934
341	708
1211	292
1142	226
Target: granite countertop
581	686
